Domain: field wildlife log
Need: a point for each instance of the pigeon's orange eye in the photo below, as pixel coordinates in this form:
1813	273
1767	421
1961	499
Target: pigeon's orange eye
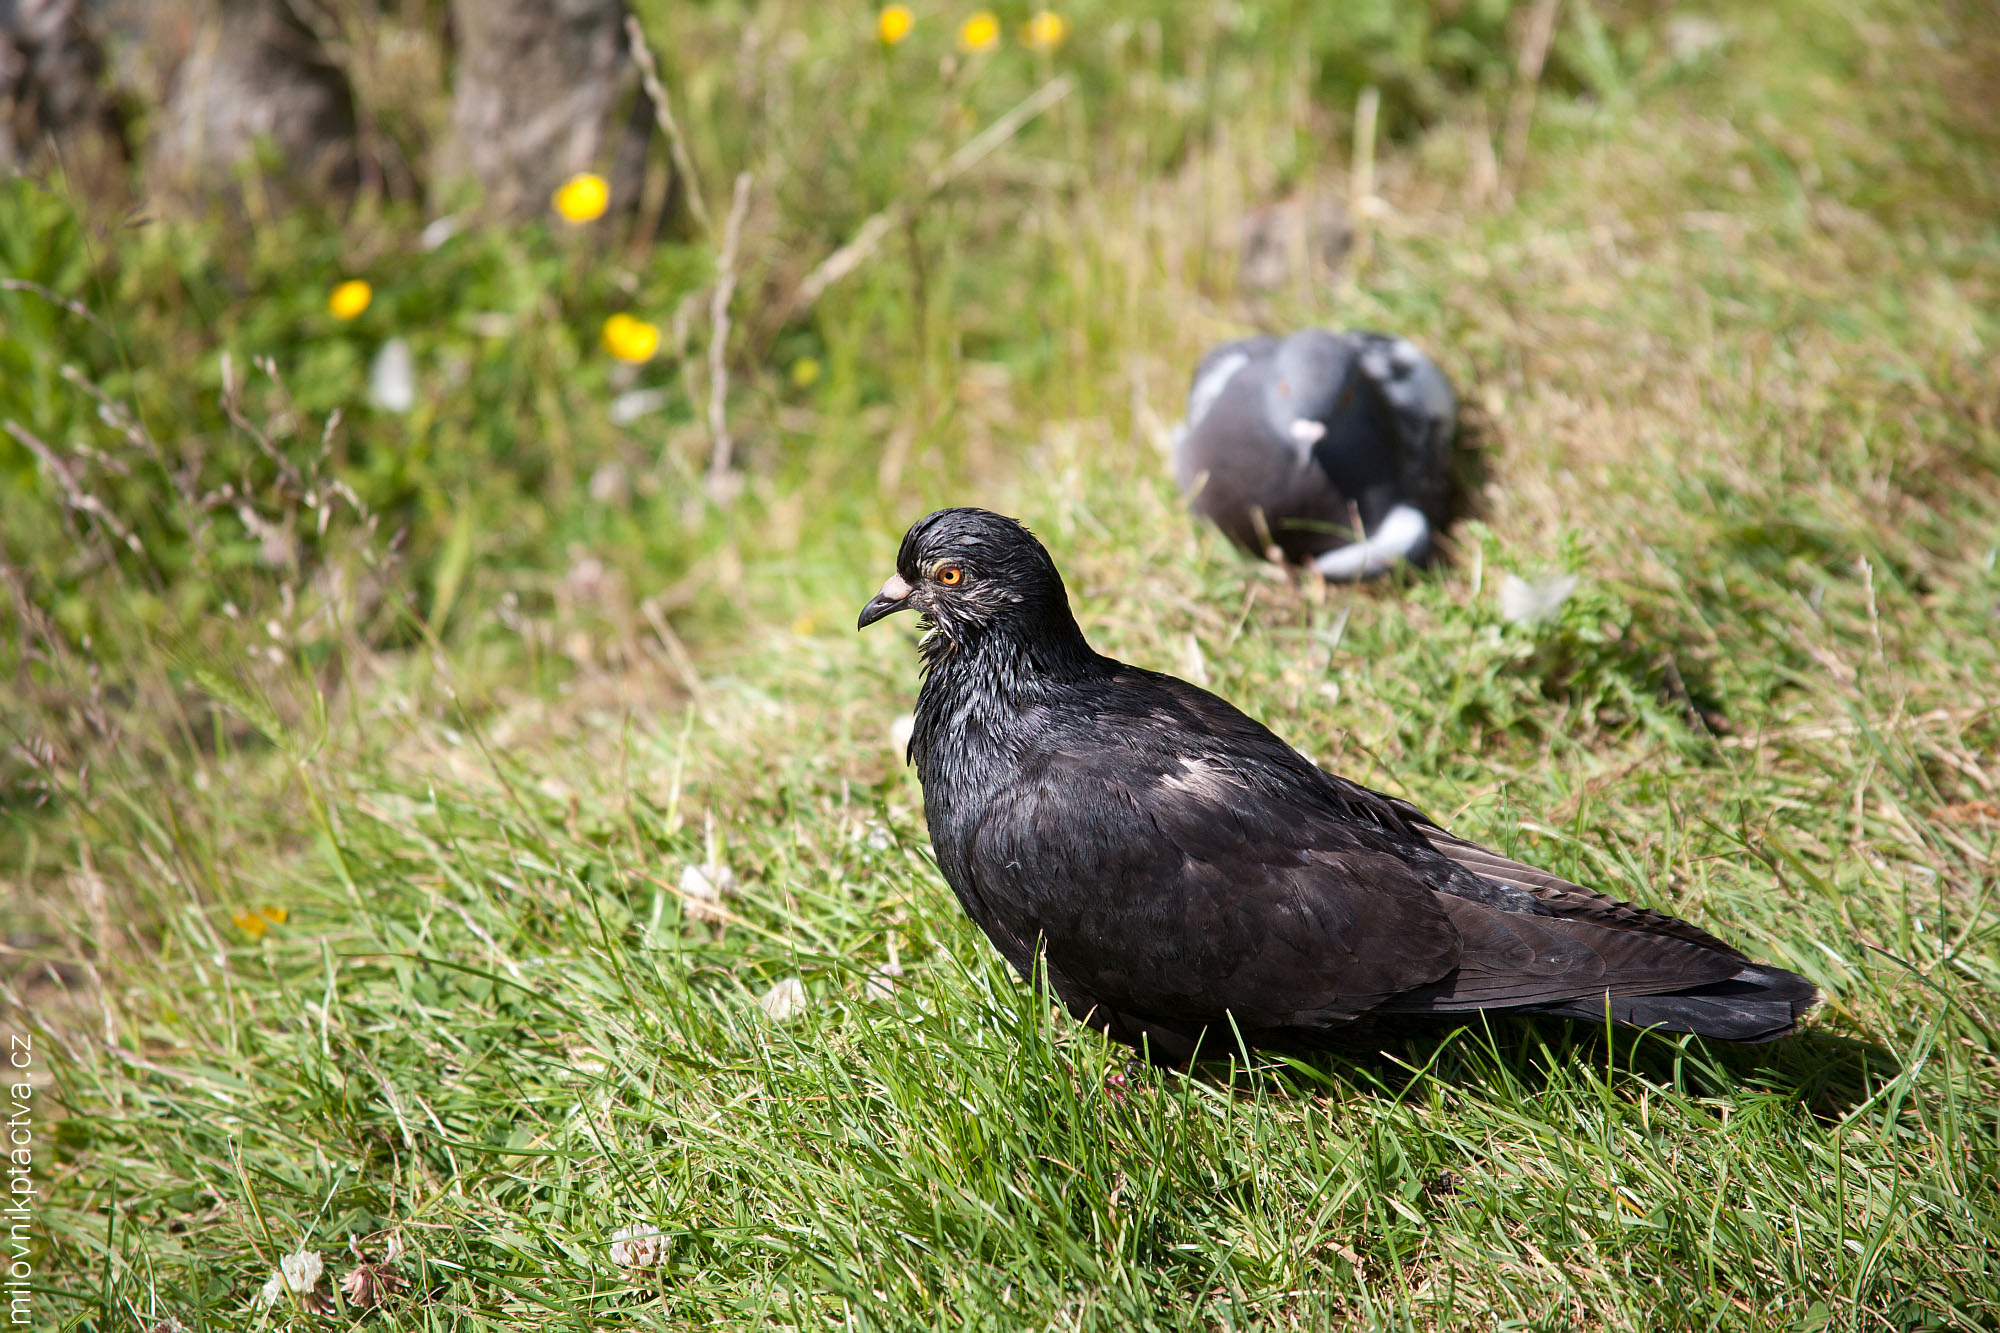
951	576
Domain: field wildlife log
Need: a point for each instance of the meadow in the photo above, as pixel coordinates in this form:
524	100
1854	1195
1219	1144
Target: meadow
357	759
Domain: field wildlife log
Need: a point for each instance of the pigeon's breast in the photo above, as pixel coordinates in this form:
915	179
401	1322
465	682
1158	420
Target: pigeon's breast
973	740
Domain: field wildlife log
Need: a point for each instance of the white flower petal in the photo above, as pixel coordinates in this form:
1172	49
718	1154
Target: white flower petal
629	406
302	1271
392	377
609	484
437	231
1692	36
638	1247
1526	603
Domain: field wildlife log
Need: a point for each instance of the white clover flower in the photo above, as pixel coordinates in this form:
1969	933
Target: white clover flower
1690	37
638	1248
881	983
297	1273
784	1001
302	1271
702	887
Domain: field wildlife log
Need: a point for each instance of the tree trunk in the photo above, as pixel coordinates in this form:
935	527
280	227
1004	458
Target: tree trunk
52	87
545	89
256	80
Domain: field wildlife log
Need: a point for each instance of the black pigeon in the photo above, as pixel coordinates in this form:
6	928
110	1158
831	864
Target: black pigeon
1183	871
1290	443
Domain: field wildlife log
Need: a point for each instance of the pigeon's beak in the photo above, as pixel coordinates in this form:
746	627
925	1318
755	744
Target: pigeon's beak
895	595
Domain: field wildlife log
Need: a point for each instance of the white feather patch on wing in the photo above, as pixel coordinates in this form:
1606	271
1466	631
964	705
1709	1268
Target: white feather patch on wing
1402	531
1203	780
1209	386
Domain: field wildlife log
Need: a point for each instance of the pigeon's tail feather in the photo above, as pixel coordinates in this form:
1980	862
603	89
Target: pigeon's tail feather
1757	1004
1403	534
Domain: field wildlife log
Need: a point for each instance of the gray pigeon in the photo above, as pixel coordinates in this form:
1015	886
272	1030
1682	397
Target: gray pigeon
1289	443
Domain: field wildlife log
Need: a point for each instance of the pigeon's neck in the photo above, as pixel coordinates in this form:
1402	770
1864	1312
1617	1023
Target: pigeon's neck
982	690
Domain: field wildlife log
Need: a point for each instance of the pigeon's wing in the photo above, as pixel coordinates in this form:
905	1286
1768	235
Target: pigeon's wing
1518	960
1167	884
1545	893
1529	935
1562	898
1231	465
1484	875
1217	367
1584	955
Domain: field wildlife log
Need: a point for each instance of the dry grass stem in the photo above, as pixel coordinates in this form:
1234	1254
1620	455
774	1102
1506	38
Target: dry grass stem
1362	206
718	342
663	114
1541	31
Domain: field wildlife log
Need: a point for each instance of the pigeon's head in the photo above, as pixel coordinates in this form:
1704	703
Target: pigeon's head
969	571
1305	387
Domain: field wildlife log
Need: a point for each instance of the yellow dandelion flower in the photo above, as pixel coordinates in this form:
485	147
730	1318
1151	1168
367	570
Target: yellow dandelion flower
980	32
350	298
805	372
893	24
630	339
1045	31
583	197
255	923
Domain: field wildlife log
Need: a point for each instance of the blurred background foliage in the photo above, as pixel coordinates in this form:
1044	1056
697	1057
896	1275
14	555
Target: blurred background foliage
128	379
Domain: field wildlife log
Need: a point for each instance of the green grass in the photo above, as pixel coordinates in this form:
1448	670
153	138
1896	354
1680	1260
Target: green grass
1728	347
